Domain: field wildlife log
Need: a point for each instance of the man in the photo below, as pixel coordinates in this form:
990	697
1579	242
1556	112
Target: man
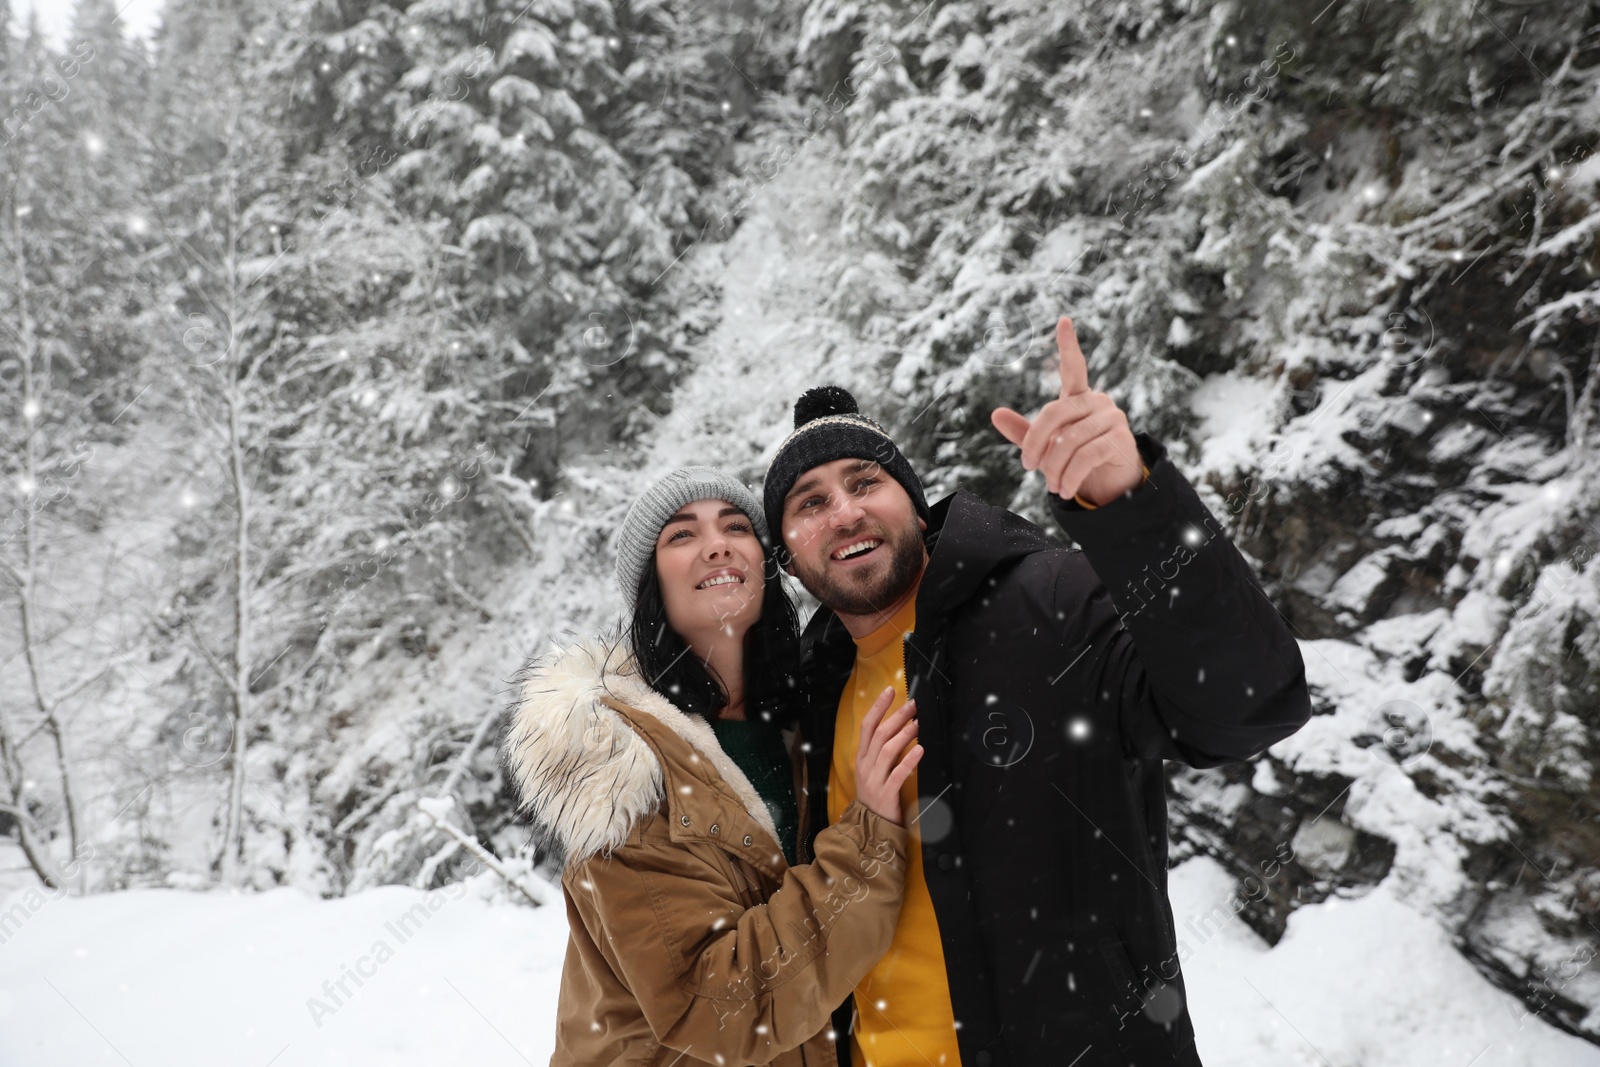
1050	684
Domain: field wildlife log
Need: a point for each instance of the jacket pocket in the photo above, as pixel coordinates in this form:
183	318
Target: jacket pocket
1145	1012
1126	996
1102	1006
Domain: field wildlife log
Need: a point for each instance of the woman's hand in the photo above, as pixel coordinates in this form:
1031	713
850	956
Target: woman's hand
879	769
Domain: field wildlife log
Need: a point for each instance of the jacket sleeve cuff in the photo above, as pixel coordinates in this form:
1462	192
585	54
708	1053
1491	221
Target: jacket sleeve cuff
1077	498
1140	527
1151	452
869	832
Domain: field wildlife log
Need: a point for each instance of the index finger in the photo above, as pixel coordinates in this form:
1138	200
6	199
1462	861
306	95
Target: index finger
874	715
1074	368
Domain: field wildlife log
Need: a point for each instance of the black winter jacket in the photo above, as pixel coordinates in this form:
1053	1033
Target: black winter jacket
1050	685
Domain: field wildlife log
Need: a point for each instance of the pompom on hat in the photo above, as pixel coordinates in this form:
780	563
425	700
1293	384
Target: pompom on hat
636	538
828	425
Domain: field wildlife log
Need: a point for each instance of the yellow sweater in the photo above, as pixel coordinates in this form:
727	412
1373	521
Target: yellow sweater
903	1013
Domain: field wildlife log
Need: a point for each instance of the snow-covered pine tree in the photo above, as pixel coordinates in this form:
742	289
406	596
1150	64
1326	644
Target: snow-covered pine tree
559	160
63	302
325	375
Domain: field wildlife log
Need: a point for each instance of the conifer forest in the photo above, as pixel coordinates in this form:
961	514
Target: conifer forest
337	337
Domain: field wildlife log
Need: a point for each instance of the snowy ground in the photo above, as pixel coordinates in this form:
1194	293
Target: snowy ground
169	978
173	978
1367	982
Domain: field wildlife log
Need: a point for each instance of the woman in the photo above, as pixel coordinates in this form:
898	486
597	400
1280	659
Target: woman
693	938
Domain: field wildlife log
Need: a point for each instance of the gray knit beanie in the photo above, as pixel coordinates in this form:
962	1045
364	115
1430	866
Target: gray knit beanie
636	539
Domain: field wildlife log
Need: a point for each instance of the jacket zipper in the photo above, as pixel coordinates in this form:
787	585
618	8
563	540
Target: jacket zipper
903	672
801	852
906	674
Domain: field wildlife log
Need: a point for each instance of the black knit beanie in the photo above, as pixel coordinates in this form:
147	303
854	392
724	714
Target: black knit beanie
828	426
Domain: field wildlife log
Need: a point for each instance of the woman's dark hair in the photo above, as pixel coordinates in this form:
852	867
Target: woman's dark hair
771	653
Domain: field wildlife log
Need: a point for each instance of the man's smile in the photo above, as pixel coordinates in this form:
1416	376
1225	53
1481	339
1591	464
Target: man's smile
854	550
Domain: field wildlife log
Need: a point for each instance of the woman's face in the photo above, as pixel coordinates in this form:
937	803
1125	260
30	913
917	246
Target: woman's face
709	563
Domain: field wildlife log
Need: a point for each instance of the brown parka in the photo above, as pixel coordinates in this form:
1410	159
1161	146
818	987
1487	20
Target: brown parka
692	941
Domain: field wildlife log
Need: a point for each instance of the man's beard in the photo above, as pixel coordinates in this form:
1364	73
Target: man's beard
847	595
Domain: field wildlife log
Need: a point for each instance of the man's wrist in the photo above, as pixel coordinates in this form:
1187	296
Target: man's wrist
1082	503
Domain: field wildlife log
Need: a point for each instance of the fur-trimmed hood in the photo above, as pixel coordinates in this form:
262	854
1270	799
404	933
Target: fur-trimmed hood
581	770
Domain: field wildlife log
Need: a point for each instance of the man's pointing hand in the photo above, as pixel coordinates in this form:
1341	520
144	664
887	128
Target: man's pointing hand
1080	442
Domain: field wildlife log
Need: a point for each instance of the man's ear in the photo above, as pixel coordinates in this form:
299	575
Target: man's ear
922	524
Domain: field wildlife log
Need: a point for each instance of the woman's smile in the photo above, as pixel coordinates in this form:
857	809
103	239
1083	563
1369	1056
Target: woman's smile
722	578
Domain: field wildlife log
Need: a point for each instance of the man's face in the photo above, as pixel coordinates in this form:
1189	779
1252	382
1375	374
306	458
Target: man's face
854	535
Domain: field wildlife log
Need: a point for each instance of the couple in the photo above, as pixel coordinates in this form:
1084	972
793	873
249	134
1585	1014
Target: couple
960	857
